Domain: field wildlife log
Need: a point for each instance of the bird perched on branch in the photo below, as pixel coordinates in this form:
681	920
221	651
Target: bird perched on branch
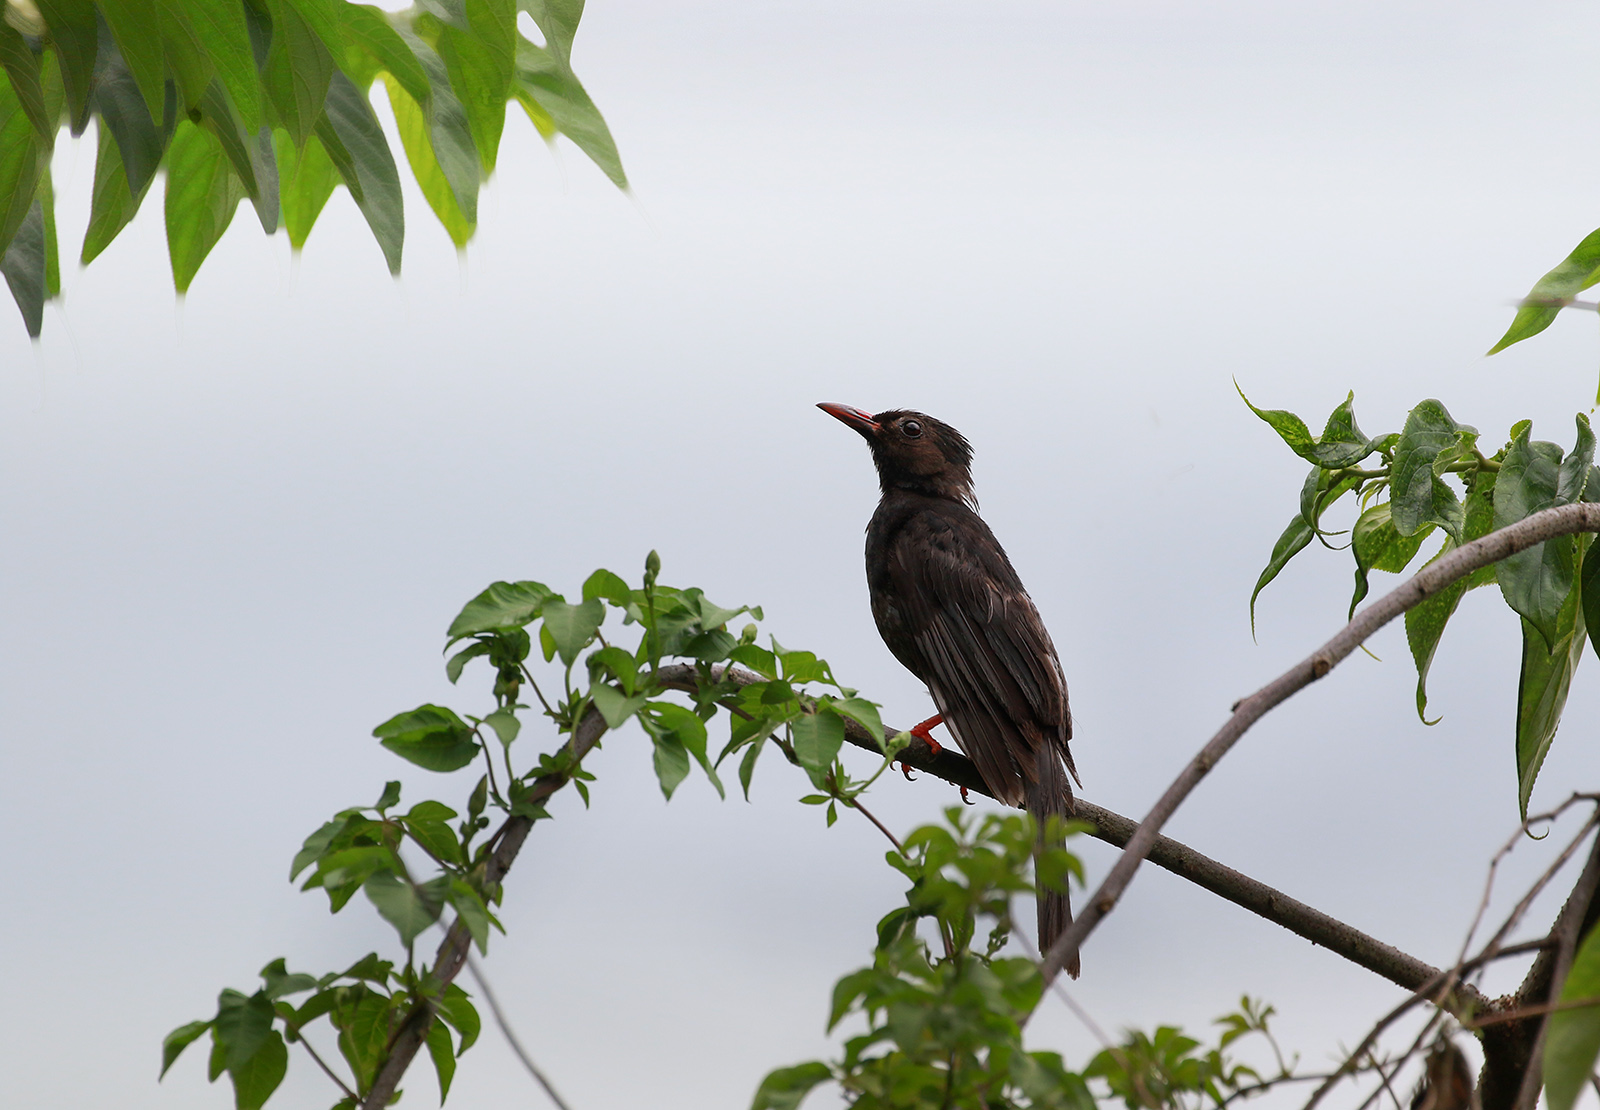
951	608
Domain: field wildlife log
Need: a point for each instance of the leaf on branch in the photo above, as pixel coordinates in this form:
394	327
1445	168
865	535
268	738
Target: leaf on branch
202	193
1341	444
786	1088
1425	621
1418	494
1547	667
409	907
1294	540
500	608
442	1051
431	737
1572	1042
1550	294
1534	476
178	1040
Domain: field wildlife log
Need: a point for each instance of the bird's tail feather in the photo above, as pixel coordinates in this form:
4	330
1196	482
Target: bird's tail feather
1051	796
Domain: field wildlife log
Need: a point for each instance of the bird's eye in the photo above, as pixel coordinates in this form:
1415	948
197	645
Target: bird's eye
912	429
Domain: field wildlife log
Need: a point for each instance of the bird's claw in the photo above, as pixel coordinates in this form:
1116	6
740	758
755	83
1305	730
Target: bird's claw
905	769
966	800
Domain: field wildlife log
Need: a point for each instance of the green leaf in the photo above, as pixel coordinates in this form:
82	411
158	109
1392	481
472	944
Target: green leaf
22	163
1577	272
547	88
676	723
1543	686
1291	543
480	63
610	587
505	725
202	193
351	134
1378	546
786	1088
503	606
178	1040
22	68
817	739
613	705
249	153
572	626
428	823
443	1053
758	659
747	765
460	659
1572	1041
558	20
456	1008
255	1079
439	146
1417	494
112	205
138	40
1342	444
671	760
471	909
373	46
141	138
280	982
1534	476
25	265
297	72
242	1024
74	36
431	737
220	27
862	712
307	178
364	1036
409	908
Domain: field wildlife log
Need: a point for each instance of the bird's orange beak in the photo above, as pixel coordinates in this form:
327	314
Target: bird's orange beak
860	421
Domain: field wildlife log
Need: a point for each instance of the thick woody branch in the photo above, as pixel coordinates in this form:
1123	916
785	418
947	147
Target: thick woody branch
1394	965
452	954
1561	521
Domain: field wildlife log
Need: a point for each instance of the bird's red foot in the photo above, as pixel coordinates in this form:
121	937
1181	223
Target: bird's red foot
905	769
966	800
925	729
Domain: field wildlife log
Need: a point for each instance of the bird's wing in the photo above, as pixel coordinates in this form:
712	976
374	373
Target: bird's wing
992	669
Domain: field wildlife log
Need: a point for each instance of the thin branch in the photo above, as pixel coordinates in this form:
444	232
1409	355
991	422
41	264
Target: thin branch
1535	529
855	803
348	1093
453	950
511	1038
950	765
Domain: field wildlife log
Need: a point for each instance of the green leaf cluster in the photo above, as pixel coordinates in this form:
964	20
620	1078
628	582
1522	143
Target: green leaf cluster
415	865
946	1030
1405	493
267	100
364	1006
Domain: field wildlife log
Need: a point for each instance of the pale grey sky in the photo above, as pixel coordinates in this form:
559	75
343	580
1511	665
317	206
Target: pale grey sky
235	530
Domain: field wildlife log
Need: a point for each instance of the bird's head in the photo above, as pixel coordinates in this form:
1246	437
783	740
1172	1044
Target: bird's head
913	451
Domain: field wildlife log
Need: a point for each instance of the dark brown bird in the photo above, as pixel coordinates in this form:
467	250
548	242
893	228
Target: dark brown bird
949	605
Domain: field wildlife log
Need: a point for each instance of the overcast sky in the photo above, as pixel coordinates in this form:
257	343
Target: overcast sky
236	528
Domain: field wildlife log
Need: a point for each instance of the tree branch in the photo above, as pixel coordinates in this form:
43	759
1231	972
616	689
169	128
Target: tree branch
1344	940
1535	529
452	954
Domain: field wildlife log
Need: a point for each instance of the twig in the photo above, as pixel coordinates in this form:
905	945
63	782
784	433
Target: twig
865	812
348	1093
511	1037
1533	1011
1535	529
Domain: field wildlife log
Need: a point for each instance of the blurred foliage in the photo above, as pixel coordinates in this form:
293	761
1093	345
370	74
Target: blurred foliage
267	100
1432	477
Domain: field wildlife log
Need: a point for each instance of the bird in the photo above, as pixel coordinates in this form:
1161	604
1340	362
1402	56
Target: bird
953	611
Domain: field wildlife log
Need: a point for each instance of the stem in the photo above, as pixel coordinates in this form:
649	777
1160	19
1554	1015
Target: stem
348	1093
511	1038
